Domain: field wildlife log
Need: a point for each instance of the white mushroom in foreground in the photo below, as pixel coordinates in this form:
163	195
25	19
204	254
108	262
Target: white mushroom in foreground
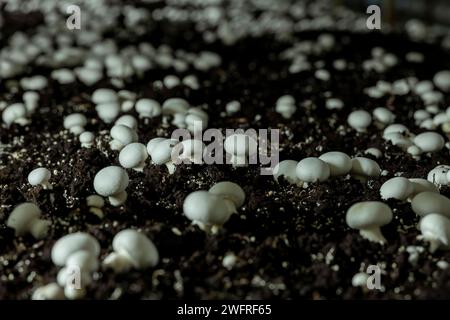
87	139
312	170
207	210
40	176
108	111
359	120
111	182
132	249
286	169
431	202
148	108
25	218
398	188
429	141
435	229
160	151
133	156
231	192
368	217
340	163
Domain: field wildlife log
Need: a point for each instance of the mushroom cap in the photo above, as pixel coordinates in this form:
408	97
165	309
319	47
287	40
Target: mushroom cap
365	167
368	214
161	150
151	145
191	149
127	120
435	226
442	80
431	202
421	185
359	119
95	201
205	207
438	175
148	107
13	112
399	188
240	144
71	243
108	111
123	134
133	155
21	216
230	191
38	176
398	139
110	181
75	120
383	115
287	169
136	246
429	141
374	152
86	137
312	169
83	259
339	162
395	128
175	105
286	99
104	95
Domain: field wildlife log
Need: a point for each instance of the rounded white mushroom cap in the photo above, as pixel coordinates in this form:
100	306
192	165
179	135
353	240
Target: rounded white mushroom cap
395	128
71	243
442	80
148	108
435	228
127	120
374	152
312	170
108	111
207	208
133	155
85	260
161	150
51	291
430	202
398	188
287	169
39	176
123	134
175	105
229	191
110	181
438	175
136	246
429	141
421	185
13	113
365	167
383	115
196	119
286	99
151	145
75	122
87	139
23	217
359	120
103	95
240	145
339	162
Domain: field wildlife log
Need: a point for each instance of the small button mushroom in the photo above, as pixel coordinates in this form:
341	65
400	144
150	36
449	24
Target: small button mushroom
207	210
103	95
421	185
233	107
359	120
360	279
334	103
160	151
231	192
95	204
383	116
368	217
30	98
40	176
121	135
396	128
15	113
75	123
363	168
398	139
108	111
340	163
398	188
285	106
287	169
414	151
148	108
196	120
241	147
374	152
442	80
87	139
430	202
438	175
25	218
127	120
435	229
177	108
313	170
69	244
111	182
51	291
429	141
133	156
132	249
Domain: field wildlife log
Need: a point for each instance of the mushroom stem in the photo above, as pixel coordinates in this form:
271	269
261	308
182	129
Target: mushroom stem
39	228
118	261
207	227
373	234
231	206
118	198
171	167
97	211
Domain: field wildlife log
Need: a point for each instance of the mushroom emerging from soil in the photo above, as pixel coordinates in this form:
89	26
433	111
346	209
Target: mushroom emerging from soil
75	123
25	218
362	168
312	170
368	217
122	135
340	163
160	150
435	229
231	192
132	249
133	156
148	108
111	182
431	202
40	176
397	188
286	169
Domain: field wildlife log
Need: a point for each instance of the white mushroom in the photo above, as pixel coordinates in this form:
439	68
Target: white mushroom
374	152
359	120
398	188
108	111
421	185
429	141
286	106
231	192
75	123
340	163
362	168
368	217
133	156
132	249
15	113
177	108
383	116
196	120
160	151
148	108
25	218
127	120
111	182
430	202
442	80
287	169
103	95
30	98
72	243
51	291
87	139
438	175
95	204
312	170
241	147
40	176
122	135
233	107
435	229
188	151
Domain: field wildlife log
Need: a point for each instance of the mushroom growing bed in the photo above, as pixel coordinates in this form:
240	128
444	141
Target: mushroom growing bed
85	140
